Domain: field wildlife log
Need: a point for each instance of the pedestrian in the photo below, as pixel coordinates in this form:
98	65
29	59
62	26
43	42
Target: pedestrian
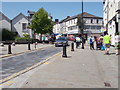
101	43
43	39
77	40
91	43
106	40
117	43
97	43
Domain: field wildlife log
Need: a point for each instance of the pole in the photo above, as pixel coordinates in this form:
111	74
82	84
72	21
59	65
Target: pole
82	28
9	49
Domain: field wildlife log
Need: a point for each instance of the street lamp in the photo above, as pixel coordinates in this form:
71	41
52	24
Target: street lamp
82	28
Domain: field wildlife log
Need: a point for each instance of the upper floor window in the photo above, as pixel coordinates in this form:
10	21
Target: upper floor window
97	21
91	20
24	26
74	21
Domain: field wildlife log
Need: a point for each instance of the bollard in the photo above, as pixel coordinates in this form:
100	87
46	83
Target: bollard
29	45
64	51
2	44
13	43
9	49
72	46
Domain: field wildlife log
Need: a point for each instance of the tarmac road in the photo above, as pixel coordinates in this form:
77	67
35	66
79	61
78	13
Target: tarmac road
14	64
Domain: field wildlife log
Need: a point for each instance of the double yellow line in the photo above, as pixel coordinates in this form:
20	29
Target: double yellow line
27	69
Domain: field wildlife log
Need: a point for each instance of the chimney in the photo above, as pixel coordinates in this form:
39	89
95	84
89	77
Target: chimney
68	16
56	20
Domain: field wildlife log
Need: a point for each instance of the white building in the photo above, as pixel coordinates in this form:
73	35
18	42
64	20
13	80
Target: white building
112	18
5	22
93	25
19	25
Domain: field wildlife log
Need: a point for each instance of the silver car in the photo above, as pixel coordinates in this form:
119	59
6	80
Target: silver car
60	41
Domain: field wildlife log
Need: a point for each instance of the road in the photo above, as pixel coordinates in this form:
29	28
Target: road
17	63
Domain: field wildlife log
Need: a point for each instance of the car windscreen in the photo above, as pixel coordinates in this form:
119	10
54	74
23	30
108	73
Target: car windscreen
61	39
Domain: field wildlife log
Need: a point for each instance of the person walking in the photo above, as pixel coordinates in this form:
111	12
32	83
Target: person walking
117	43
77	40
106	40
101	43
91	43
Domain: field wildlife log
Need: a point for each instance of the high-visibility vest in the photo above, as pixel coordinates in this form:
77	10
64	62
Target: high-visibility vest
106	39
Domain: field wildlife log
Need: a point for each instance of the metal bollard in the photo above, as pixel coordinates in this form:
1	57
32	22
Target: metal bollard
64	51
2	44
9	49
29	45
13	43
72	46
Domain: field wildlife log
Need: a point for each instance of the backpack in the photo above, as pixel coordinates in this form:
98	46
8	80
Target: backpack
102	47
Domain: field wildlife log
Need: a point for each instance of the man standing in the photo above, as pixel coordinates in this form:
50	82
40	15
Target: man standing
91	43
106	40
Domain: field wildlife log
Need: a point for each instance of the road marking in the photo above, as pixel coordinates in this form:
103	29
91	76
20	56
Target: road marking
27	69
7	83
46	63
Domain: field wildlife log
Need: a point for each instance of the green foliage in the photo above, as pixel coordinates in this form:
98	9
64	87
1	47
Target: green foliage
22	39
41	23
7	35
26	36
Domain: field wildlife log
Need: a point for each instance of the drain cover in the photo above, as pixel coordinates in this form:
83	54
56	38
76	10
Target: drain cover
107	84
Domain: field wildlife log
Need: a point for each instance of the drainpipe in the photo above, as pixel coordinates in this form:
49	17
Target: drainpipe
11	24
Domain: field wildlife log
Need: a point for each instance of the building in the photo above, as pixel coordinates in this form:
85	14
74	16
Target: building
112	18
93	25
5	22
19	25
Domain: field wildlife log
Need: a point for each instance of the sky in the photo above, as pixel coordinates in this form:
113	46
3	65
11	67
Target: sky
58	10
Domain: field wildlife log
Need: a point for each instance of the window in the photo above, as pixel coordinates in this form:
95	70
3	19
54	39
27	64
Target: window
24	26
91	21
93	27
72	27
98	27
74	21
87	27
97	21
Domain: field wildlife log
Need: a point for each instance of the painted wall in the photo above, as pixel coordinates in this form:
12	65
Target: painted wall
4	23
17	26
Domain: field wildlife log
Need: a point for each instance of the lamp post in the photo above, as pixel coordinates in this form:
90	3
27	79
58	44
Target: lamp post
82	28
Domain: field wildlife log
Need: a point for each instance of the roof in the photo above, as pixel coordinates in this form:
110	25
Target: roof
85	15
5	16
19	15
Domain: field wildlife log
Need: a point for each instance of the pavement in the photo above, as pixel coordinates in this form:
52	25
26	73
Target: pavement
20	48
83	68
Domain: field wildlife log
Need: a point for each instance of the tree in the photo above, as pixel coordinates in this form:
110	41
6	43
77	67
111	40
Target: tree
7	35
41	23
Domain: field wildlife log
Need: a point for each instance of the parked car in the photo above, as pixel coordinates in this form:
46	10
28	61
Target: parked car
60	41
